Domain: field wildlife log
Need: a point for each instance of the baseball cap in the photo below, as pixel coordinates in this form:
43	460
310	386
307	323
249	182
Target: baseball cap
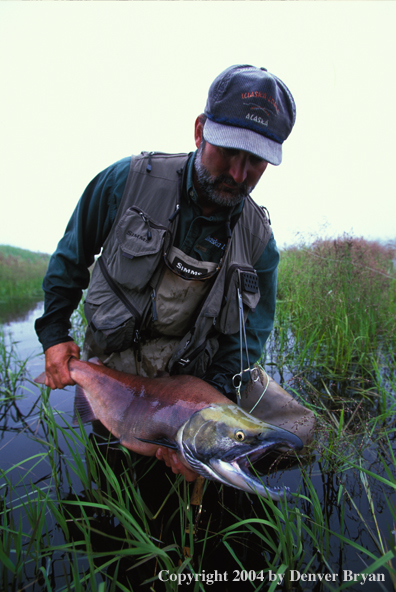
249	109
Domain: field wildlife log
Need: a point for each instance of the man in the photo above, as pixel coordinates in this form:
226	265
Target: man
183	246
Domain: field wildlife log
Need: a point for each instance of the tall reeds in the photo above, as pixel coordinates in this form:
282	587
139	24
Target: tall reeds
337	302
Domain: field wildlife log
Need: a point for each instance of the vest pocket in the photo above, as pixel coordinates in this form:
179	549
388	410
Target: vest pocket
137	250
246	279
199	360
113	325
110	337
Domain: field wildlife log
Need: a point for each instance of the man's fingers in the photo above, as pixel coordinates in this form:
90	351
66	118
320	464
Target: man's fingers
56	364
172	461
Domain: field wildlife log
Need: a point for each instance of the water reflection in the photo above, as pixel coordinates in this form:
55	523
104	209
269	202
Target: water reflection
17	310
18	327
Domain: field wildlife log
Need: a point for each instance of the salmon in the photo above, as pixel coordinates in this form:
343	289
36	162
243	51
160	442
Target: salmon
210	434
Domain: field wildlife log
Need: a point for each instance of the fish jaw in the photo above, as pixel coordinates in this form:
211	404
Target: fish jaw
238	474
221	442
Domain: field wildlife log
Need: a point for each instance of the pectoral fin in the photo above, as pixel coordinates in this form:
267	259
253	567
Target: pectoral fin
161	442
82	407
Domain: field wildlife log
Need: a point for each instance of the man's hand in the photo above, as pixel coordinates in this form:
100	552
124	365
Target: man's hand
171	460
56	364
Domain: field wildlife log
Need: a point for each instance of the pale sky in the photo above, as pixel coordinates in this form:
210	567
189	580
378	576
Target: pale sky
84	84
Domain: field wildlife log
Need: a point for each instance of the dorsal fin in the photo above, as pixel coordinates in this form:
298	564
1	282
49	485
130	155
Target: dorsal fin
96	361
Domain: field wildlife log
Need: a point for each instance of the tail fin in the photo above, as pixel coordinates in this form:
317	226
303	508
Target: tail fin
40	378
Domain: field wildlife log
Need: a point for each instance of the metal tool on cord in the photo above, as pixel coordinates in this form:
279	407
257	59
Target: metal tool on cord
249	281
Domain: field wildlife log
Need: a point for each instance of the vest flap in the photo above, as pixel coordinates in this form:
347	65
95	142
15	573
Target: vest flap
138	234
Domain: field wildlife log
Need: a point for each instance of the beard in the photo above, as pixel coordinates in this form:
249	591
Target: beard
213	188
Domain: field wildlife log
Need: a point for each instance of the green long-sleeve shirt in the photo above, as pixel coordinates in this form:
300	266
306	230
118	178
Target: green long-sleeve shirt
198	236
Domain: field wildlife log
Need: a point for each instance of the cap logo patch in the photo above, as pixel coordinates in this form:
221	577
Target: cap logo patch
255	107
257	93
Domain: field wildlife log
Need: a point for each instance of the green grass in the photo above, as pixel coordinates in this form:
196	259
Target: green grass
336	304
21	273
76	515
50	526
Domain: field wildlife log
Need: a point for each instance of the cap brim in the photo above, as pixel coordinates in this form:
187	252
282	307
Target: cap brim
239	138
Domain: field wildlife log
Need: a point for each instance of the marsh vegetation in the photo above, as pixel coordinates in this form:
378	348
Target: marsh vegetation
21	275
78	513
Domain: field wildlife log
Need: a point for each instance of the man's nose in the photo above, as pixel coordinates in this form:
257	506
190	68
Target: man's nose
239	166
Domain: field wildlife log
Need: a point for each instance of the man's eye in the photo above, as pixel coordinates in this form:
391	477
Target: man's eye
230	151
256	159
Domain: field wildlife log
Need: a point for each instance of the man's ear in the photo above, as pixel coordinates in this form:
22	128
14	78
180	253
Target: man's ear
198	132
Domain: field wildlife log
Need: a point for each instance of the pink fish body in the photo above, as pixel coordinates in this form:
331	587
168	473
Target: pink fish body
211	434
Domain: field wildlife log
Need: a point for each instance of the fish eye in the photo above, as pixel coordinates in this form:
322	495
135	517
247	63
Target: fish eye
240	436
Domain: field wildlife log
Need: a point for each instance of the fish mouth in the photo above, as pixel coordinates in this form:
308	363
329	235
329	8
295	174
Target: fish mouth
235	468
222	443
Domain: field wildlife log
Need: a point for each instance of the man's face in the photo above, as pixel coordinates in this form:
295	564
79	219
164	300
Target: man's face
225	175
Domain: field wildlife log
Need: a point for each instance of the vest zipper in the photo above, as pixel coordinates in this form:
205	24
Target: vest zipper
137	342
147	221
153	305
175	213
183	362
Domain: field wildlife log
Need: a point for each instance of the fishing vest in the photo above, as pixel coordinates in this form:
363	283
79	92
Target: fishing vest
121	298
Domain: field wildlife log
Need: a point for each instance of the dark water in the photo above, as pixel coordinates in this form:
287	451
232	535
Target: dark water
18	324
21	437
19	426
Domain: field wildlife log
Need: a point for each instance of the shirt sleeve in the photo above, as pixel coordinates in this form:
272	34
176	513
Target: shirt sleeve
259	324
68	270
